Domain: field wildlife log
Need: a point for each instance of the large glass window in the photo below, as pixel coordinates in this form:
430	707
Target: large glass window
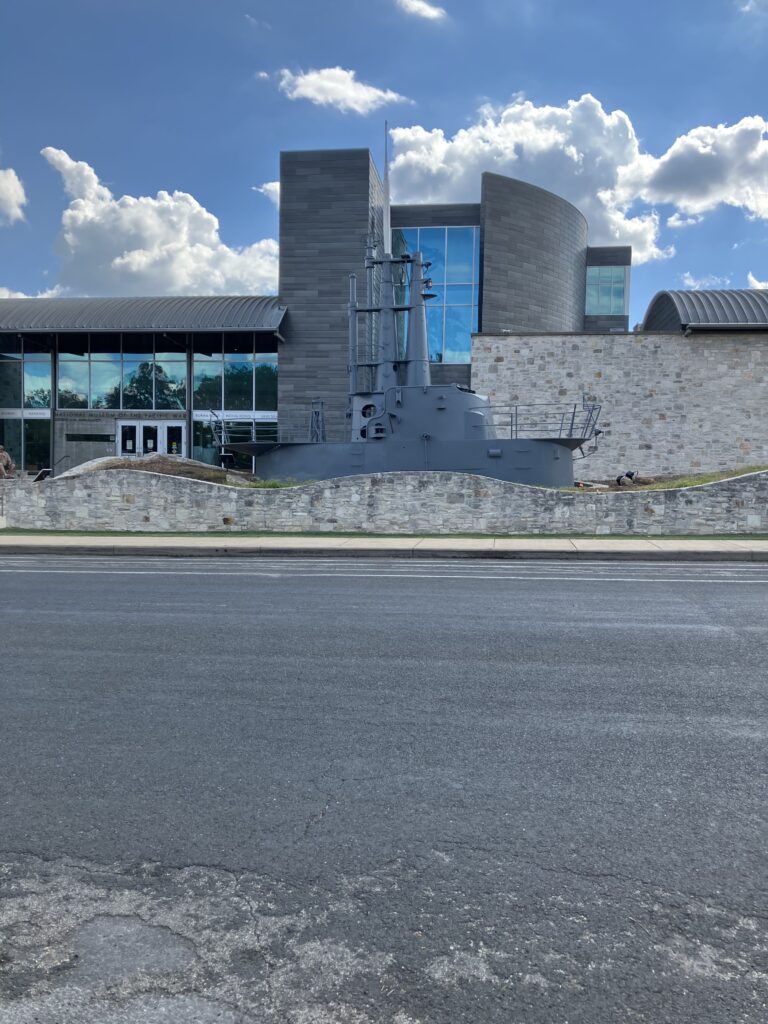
203	448
266	383
37	445
105	385
454	253
238	383
170	382
10	438
138	383
108	370
37	384
73	385
606	291
435	333
10	383
461	252
207	383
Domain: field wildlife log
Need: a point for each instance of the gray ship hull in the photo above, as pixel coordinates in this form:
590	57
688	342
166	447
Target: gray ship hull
542	462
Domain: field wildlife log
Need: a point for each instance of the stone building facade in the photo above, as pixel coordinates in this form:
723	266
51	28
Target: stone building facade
671	403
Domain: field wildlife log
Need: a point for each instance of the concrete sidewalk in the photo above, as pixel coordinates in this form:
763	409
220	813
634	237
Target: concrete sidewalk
692	549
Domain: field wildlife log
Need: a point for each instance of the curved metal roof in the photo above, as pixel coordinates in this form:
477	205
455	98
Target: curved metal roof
738	309
176	313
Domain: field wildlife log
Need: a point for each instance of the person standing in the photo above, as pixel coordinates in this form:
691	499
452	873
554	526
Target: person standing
6	464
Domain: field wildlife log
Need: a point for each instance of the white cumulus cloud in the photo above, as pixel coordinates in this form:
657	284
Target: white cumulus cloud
166	244
337	87
7	293
13	199
593	158
707	281
422	9
270	189
575	151
705	168
753	282
677	220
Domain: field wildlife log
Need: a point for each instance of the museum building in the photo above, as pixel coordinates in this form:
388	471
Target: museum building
82	378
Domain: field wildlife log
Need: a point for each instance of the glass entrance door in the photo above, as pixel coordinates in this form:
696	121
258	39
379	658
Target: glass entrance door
151	437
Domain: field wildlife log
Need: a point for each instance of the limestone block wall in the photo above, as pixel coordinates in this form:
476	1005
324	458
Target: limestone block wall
671	404
396	503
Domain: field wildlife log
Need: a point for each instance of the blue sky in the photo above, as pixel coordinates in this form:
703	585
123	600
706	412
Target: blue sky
135	135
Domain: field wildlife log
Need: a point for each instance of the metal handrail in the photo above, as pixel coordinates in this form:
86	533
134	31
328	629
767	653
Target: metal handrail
552	419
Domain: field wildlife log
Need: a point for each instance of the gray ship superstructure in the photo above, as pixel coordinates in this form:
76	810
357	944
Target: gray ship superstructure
400	421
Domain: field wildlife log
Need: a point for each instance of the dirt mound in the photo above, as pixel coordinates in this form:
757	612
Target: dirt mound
169	465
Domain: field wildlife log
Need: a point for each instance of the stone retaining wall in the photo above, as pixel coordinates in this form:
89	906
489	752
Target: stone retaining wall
397	503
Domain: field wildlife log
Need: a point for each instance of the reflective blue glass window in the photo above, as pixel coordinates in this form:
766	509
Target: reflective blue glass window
435	333
37	385
207	344
105	346
459	295
458	328
73	346
604	294
455	256
605	291
266	383
139	345
432	245
207	384
238	344
138	384
460	257
238	385
617	294
405	240
170	385
38	347
73	384
10	345
105	385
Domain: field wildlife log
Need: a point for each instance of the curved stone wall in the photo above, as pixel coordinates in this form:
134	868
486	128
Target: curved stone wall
396	503
534	258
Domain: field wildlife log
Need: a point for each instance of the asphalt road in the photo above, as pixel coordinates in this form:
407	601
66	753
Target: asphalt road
380	792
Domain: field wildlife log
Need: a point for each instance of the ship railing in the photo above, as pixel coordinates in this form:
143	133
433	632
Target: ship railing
231	431
548	419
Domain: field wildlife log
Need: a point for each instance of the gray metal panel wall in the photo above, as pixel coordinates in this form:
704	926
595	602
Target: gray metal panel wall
609	256
533	259
329	201
595	323
435	215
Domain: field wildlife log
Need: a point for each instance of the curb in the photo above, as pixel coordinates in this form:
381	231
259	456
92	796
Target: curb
630	554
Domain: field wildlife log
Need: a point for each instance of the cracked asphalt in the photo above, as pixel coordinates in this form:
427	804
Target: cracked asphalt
378	792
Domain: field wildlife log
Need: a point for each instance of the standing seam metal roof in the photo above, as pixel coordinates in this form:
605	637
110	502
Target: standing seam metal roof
177	313
679	310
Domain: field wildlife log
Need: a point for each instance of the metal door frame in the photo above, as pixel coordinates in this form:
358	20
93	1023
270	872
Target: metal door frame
162	435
